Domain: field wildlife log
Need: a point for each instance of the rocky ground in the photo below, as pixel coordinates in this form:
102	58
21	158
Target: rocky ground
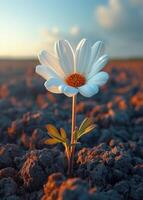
109	161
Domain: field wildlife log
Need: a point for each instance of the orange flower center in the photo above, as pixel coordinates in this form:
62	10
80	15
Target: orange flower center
75	80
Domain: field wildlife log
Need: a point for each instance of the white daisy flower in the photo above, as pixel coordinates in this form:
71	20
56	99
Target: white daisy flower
69	73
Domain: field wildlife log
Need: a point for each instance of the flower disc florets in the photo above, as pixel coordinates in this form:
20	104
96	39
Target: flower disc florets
75	80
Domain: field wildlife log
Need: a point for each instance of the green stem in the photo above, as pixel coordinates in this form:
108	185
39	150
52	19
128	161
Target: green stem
72	148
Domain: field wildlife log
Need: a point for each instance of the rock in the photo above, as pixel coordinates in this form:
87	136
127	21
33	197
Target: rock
51	188
41	163
121	118
110	195
123	163
136	187
7	154
59	188
37	195
8	172
13	197
90	139
74	189
4	104
112	143
37	139
122	188
16	128
105	136
98	175
8	187
116	175
28	171
123	134
4	122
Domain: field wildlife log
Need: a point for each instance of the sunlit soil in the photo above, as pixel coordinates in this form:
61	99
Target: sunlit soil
109	161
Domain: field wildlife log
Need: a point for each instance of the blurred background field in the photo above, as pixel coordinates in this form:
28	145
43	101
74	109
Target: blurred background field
21	68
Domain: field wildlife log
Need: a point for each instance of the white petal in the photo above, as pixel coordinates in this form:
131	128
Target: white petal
88	90
82	56
99	79
96	51
53	84
45	72
66	56
68	90
98	65
51	61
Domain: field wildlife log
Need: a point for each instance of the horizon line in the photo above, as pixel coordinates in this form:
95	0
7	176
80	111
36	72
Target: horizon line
6	58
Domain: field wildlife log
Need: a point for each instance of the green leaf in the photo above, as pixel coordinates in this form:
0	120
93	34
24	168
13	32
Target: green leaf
53	132
86	122
86	131
51	141
63	133
76	134
85	127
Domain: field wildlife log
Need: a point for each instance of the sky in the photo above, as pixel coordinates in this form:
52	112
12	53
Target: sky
28	26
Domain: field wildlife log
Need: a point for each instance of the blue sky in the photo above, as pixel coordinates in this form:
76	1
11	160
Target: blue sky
27	26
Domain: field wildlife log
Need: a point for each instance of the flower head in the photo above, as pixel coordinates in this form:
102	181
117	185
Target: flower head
71	72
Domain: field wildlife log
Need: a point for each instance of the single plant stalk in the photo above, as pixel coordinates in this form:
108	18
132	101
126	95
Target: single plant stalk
67	150
72	148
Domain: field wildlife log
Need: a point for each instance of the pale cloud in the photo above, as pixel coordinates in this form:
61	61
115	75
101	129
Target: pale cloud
121	24
48	37
108	15
75	30
73	35
55	30
120	14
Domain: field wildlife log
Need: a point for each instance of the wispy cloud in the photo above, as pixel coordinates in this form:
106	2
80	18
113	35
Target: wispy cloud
122	16
75	30
122	23
74	34
48	37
